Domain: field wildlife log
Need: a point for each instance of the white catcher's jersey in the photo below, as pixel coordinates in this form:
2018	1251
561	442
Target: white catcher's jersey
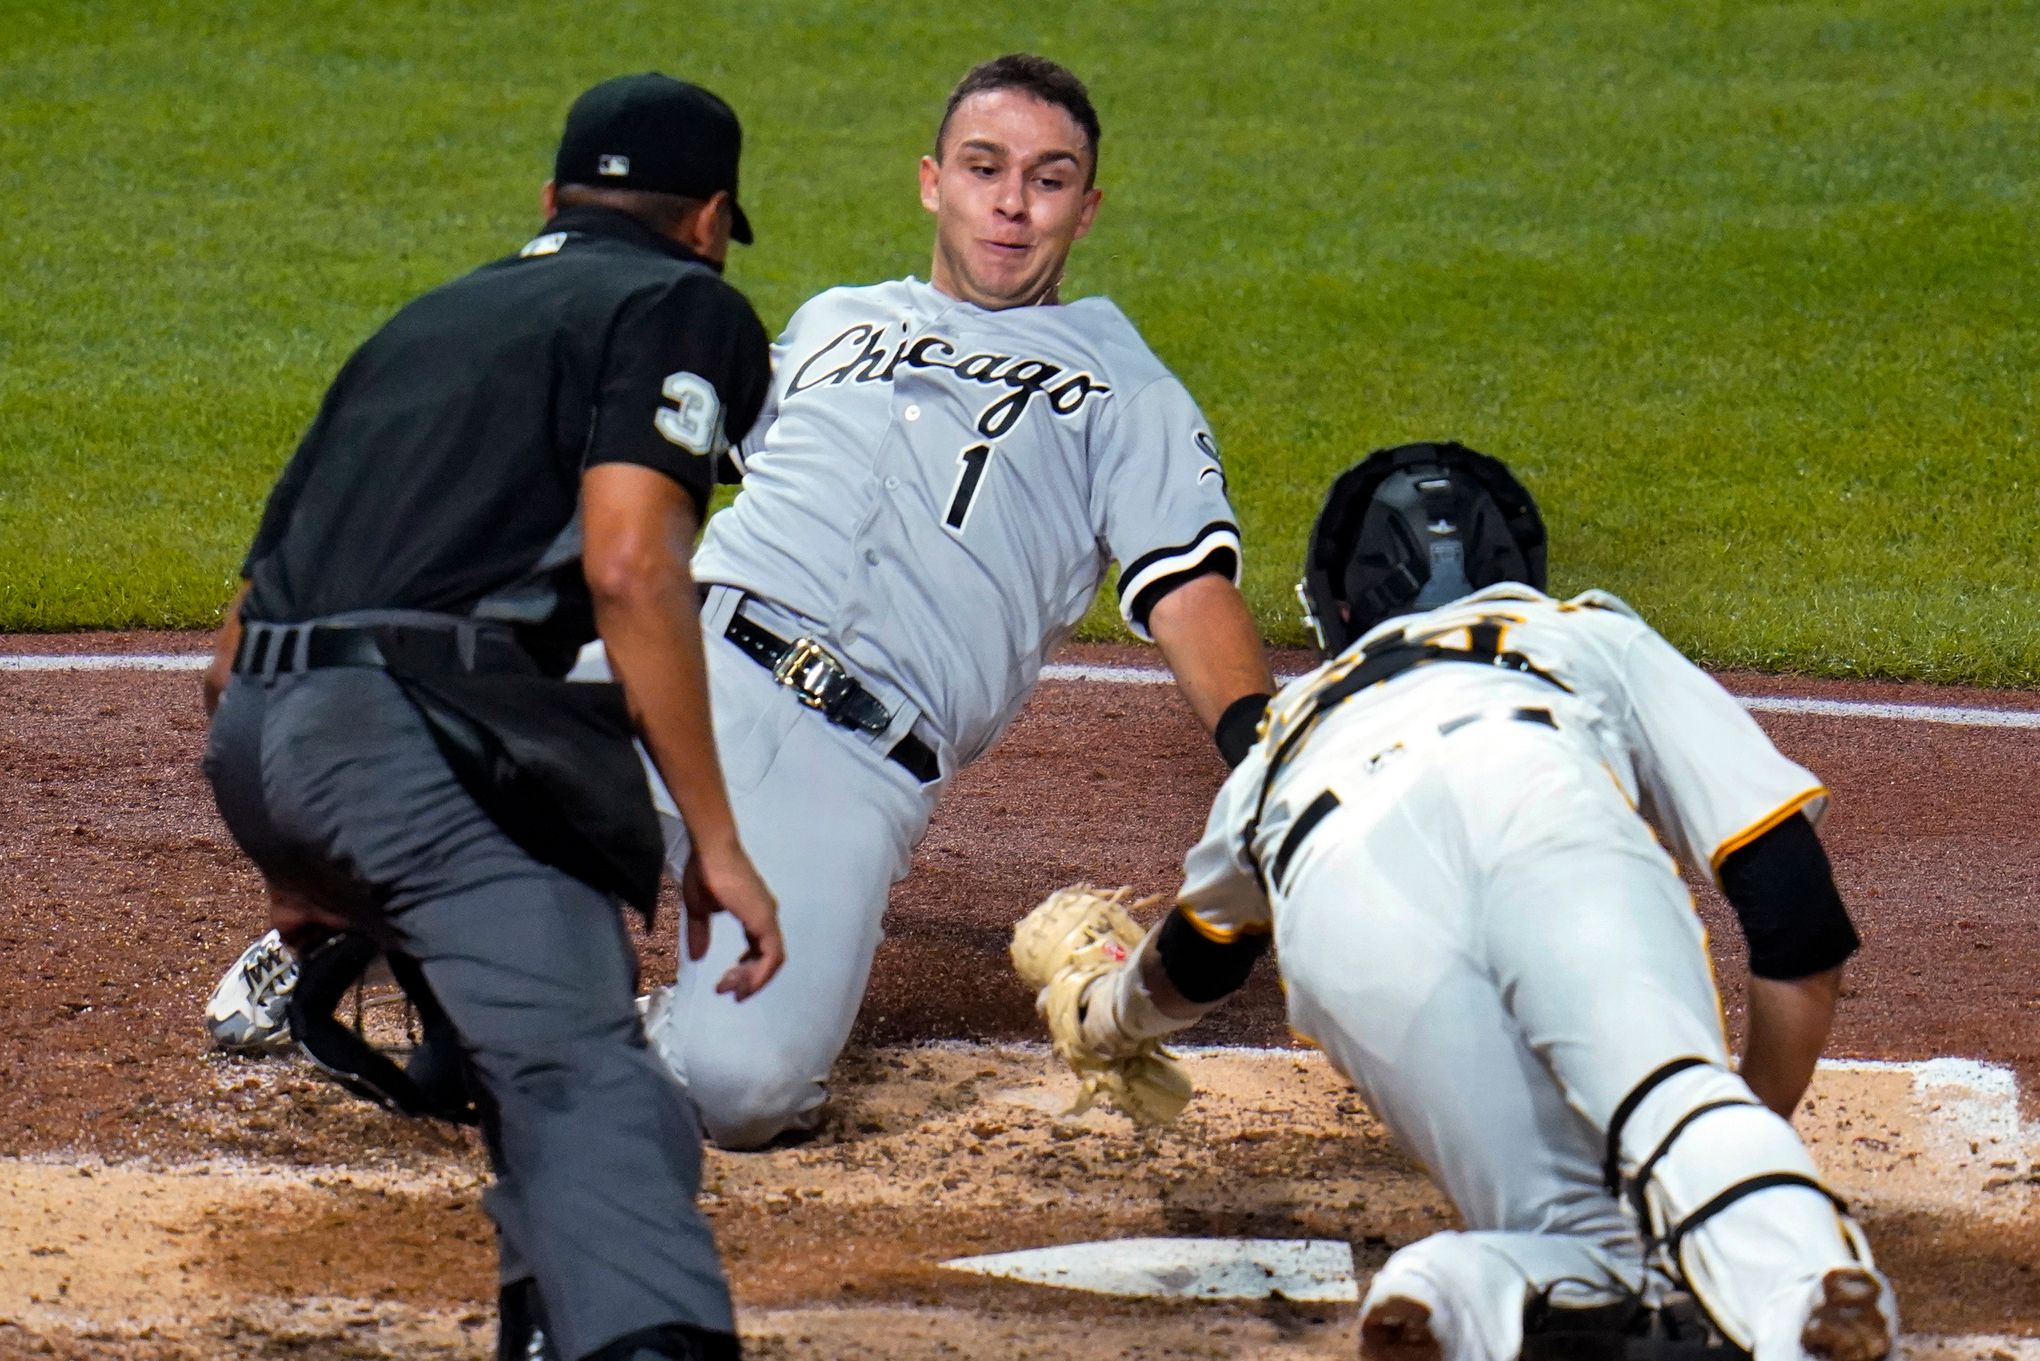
938	488
1685	755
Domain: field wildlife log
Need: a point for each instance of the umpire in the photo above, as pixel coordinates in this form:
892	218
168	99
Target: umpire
514	464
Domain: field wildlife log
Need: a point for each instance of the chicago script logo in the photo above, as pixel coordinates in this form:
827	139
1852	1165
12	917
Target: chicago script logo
860	355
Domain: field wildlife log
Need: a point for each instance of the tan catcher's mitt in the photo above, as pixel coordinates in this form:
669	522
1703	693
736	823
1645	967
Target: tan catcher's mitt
1076	937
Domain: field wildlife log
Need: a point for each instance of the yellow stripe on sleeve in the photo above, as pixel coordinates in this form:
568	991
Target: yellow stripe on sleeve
1765	824
1219	935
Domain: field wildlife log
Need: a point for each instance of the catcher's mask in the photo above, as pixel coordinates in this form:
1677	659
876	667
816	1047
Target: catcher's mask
1412	527
432	1082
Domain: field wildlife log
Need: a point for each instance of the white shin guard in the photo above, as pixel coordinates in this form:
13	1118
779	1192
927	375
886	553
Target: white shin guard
1729	1192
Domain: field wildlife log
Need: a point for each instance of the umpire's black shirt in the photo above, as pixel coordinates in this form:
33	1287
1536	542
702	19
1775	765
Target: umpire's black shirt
443	471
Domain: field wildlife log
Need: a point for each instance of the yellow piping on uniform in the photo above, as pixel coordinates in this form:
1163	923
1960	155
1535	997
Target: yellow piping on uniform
1219	935
1712	1311
1713	980
1757	829
1616	780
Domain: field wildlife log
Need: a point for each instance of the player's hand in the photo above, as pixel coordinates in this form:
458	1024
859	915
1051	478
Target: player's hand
213	683
728	882
226	642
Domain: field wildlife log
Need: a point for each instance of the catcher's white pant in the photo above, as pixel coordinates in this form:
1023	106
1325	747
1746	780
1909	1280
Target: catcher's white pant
1491	945
831	825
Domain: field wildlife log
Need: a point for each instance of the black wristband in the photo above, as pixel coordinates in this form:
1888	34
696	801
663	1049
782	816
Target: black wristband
1200	968
1238	727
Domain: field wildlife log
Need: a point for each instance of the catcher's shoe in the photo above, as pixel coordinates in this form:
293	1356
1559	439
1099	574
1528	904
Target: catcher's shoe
1848	1322
247	1008
1398	1328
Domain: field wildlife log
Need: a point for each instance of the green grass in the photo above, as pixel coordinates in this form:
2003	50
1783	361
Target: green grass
1745	292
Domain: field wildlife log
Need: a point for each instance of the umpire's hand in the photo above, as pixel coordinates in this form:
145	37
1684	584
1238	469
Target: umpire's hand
728	882
637	526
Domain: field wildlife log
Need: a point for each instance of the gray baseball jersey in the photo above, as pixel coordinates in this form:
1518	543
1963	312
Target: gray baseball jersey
939	489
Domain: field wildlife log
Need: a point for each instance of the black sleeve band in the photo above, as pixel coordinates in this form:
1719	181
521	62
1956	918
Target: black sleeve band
1783	892
1238	726
1196	561
1203	969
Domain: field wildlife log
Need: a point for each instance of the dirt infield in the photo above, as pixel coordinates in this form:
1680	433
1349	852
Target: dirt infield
159	1202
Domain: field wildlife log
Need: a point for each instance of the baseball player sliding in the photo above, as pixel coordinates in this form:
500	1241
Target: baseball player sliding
943	471
1460	833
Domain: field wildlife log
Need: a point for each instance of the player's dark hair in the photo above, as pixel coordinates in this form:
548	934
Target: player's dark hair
663	213
1049	82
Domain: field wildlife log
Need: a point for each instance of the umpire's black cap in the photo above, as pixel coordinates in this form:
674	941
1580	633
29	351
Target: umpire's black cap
653	132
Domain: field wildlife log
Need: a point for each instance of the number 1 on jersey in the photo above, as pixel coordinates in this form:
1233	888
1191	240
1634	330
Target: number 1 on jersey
973	460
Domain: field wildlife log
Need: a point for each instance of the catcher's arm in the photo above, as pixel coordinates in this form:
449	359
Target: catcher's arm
1109	993
1799	934
1788	1027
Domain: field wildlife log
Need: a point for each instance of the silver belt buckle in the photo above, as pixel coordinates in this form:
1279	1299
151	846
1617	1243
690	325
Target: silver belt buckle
806	669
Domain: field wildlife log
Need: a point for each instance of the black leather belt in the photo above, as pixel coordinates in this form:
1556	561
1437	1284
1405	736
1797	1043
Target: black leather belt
819	681
278	649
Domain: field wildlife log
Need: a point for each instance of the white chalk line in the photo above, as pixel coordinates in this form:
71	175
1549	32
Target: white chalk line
1139	675
132	661
1767	704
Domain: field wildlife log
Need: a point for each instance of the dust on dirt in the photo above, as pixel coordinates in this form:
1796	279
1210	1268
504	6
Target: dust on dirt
159	1203
928	1154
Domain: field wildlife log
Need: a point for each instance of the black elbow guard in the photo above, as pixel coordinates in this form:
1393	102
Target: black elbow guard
1238	727
1201	968
1783	892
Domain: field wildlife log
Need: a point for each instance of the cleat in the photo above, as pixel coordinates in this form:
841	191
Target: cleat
247	1007
1398	1328
1849	1323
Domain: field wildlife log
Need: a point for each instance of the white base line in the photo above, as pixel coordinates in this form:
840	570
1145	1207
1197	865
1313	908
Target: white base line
1764	704
133	661
1140	675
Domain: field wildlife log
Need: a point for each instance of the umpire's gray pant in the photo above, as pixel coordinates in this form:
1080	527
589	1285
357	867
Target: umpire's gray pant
331	783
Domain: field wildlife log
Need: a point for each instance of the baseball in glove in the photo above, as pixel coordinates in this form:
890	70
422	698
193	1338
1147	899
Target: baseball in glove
1078	937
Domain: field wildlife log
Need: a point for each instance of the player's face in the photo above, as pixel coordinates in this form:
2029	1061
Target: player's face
1008	197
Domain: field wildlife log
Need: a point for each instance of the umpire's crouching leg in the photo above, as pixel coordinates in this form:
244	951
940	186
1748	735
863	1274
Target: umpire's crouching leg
330	781
598	1151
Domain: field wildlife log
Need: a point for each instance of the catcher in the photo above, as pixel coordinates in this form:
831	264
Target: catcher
1459	833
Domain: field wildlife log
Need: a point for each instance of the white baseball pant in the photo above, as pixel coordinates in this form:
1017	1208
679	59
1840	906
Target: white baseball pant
1489	942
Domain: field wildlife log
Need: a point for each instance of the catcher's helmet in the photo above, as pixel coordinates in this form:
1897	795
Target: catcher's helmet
1412	527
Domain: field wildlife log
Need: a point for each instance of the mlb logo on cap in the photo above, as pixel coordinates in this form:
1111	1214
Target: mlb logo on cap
653	133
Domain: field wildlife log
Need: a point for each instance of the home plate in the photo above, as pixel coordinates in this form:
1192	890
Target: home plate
1311	1270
